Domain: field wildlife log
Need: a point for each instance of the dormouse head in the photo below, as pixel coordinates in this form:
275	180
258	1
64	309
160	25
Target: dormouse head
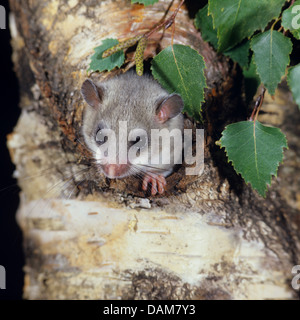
119	117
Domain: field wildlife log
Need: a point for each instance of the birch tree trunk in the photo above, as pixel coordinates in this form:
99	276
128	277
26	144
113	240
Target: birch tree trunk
86	237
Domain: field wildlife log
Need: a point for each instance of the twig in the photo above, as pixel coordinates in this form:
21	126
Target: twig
258	104
132	41
166	23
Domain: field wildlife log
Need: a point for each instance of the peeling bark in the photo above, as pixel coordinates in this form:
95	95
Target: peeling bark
85	237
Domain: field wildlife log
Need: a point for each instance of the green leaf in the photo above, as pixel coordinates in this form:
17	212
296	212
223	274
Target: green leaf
271	56
294	83
180	69
255	151
291	19
204	23
109	63
251	80
240	53
236	20
144	2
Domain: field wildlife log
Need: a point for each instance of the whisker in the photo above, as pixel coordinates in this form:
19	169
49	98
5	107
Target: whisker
137	172
39	174
73	175
142	166
62	185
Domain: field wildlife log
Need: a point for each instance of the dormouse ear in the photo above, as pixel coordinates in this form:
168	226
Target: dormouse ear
169	108
91	93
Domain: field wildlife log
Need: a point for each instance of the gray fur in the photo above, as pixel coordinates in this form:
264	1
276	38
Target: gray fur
130	98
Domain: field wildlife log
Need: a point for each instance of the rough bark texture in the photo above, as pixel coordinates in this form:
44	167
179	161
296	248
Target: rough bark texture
85	237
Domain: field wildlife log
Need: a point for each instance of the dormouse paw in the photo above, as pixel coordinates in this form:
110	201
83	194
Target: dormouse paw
157	182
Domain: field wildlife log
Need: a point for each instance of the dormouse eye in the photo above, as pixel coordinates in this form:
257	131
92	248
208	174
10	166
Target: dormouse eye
101	137
142	141
139	142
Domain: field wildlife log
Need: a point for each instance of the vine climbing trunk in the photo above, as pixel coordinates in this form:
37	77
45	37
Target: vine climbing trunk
85	237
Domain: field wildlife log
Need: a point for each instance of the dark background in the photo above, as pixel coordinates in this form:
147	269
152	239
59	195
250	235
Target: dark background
11	255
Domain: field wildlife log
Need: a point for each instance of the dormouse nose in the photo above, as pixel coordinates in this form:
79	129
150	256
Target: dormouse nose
115	170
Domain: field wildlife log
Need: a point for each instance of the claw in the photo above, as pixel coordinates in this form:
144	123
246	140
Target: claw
158	183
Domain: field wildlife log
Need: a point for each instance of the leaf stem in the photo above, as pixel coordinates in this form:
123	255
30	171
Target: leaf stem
258	104
275	22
